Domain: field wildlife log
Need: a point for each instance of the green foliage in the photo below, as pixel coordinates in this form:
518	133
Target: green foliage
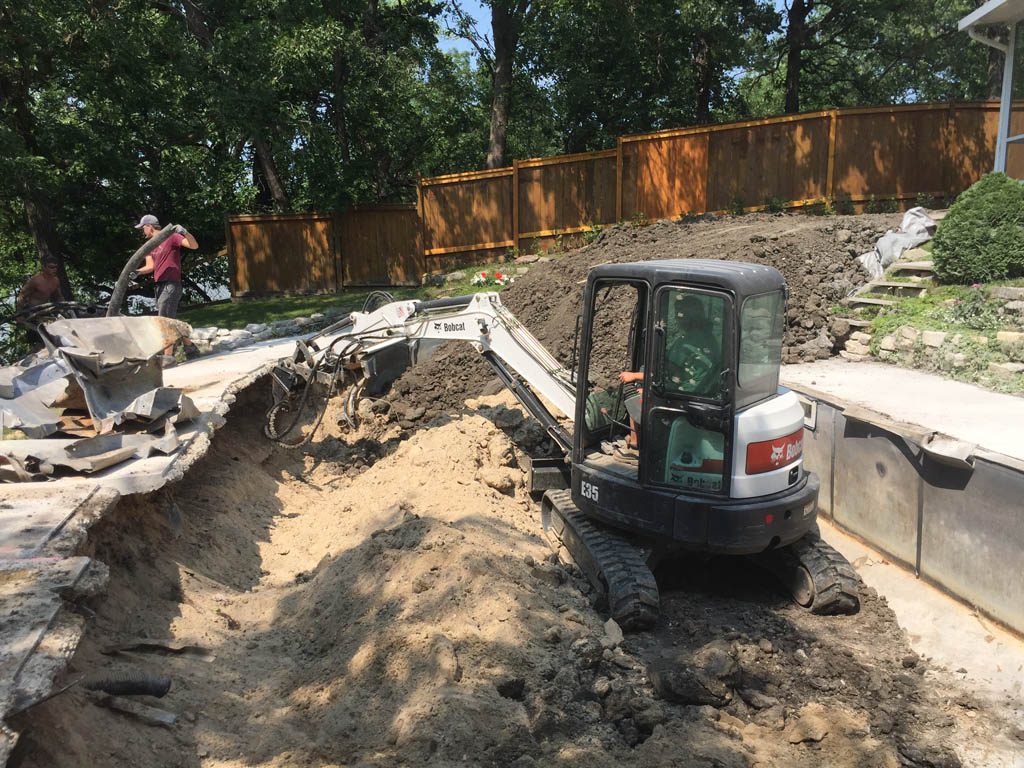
588	236
639	219
775	204
982	237
925	200
738	206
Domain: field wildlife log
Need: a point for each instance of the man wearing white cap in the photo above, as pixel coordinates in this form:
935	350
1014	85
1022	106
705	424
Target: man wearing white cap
164	262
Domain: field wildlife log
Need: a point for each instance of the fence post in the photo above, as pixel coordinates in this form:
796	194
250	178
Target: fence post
618	180
515	206
421	252
336	251
830	177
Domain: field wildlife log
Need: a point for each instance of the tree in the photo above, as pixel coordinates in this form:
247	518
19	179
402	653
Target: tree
498	55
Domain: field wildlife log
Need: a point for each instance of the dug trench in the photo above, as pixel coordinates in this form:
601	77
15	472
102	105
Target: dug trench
387	599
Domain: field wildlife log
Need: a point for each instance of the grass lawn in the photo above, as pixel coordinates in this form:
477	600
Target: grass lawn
238	314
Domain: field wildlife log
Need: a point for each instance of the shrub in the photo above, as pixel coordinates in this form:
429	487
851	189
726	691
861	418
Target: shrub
982	237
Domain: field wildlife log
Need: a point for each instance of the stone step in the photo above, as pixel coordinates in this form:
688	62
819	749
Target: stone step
856	323
913	268
894	288
854	301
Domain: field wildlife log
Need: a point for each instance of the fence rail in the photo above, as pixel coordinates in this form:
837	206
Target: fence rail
852	156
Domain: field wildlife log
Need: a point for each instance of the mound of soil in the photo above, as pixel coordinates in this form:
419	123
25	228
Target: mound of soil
816	254
409	614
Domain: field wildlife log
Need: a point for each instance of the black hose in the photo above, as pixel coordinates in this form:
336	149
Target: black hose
121	286
132	684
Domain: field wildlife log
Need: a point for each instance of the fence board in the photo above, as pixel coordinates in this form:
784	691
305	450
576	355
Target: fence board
663	177
786	161
891	153
282	254
380	246
561	194
466	213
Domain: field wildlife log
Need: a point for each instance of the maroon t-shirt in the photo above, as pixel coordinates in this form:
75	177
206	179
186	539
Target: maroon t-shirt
167	259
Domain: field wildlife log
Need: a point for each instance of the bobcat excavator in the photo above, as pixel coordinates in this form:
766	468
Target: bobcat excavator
717	466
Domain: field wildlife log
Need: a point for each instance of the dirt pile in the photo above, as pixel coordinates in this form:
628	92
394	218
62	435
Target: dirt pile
409	613
816	254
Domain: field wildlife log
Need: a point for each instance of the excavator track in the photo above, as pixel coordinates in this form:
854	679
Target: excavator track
612	564
816	575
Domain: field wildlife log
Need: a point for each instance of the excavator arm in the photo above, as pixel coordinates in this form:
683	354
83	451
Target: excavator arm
360	351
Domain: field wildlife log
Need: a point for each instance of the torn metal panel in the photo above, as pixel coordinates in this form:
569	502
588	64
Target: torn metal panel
118	362
33	412
37	460
30	373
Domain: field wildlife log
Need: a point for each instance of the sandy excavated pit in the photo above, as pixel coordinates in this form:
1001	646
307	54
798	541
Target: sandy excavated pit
390	602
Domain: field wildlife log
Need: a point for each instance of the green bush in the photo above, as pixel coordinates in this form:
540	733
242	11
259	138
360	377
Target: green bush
982	238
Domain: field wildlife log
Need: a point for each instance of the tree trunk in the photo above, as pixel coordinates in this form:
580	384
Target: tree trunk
995	72
702	64
268	169
506	22
796	38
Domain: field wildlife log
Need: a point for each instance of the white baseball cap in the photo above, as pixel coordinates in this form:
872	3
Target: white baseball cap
150	219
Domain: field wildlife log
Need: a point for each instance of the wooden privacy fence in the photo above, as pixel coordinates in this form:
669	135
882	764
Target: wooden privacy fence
851	155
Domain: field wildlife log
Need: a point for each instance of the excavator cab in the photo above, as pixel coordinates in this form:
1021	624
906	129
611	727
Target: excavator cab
719	461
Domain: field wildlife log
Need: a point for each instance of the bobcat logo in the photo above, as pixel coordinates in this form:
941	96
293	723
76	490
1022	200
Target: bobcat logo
776	456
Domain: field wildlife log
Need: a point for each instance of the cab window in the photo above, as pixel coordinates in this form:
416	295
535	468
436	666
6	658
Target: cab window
691	356
762	323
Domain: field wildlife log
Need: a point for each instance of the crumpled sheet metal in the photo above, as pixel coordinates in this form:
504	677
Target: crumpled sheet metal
91	454
118	362
34	411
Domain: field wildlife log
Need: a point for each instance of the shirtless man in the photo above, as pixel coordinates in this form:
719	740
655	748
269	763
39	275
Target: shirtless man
42	288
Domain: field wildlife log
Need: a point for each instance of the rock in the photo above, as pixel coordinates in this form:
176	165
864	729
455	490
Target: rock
759	700
601	687
545	259
765	645
909	661
933	338
812	724
499	479
852	357
860	336
888	343
548	573
909	332
588	652
255	328
552	635
1015	307
454	277
800	655
839	327
647	719
705	677
508	418
1007	292
520	271
957	359
613	632
446	661
527	258
413	414
1005	369
513	688
857	348
843	236
1009	338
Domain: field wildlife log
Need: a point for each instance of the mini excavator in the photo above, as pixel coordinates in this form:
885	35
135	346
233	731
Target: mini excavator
717	464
